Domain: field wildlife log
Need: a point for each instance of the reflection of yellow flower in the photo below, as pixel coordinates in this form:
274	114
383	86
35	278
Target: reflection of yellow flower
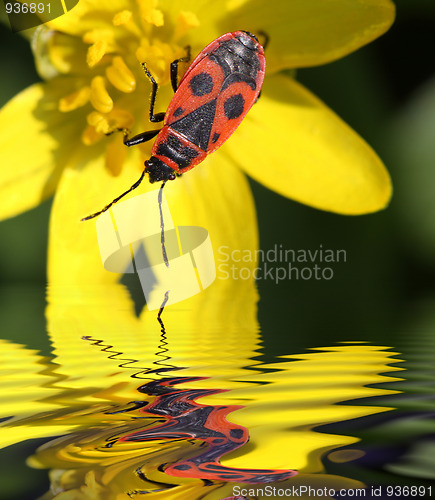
282	403
90	61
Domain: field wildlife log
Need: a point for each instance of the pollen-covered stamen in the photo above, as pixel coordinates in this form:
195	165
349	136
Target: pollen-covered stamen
90	136
149	13
99	121
116	154
122	18
96	52
102	42
158	57
75	100
126	20
96	35
100	98
120	76
185	22
120	119
118	73
101	124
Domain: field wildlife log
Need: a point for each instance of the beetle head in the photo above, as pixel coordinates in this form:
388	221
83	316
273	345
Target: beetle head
158	171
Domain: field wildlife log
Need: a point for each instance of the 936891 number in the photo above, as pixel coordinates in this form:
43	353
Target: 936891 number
24	8
408	491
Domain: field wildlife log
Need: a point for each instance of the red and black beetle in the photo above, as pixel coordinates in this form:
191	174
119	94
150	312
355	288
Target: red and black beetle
211	100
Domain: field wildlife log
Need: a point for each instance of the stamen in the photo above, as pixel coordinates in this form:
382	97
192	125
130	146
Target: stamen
99	97
100	125
185	22
109	122
158	57
120	118
90	136
99	122
126	20
116	153
122	17
102	48
149	13
96	53
96	35
120	75
75	100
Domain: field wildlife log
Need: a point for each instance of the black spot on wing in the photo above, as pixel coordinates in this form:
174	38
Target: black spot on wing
215	137
182	467
178	152
197	125
239	77
201	84
236	433
234	106
178	112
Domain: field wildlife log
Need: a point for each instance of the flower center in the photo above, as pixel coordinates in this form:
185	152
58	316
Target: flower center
118	88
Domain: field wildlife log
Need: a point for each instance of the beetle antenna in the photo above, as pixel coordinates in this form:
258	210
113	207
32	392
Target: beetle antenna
134	186
162	227
159	315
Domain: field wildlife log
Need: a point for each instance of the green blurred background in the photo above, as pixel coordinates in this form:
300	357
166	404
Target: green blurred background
386	92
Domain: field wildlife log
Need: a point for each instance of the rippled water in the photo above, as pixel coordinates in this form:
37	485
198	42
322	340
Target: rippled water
176	414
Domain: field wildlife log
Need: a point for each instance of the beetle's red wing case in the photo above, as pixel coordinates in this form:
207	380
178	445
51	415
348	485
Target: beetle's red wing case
232	106
205	53
192	110
217	91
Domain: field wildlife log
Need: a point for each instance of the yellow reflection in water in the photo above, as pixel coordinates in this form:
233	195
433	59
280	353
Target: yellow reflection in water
282	403
103	352
302	392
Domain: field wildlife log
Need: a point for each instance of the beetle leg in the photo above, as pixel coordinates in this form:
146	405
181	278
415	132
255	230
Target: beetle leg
158	117
139	138
174	68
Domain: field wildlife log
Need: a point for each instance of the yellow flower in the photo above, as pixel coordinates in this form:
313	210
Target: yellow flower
89	59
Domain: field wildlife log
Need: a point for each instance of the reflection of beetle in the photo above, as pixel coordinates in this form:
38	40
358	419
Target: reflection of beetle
213	97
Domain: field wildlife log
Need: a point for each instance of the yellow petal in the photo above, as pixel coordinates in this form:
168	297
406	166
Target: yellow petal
305	33
34	142
293	144
82	191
